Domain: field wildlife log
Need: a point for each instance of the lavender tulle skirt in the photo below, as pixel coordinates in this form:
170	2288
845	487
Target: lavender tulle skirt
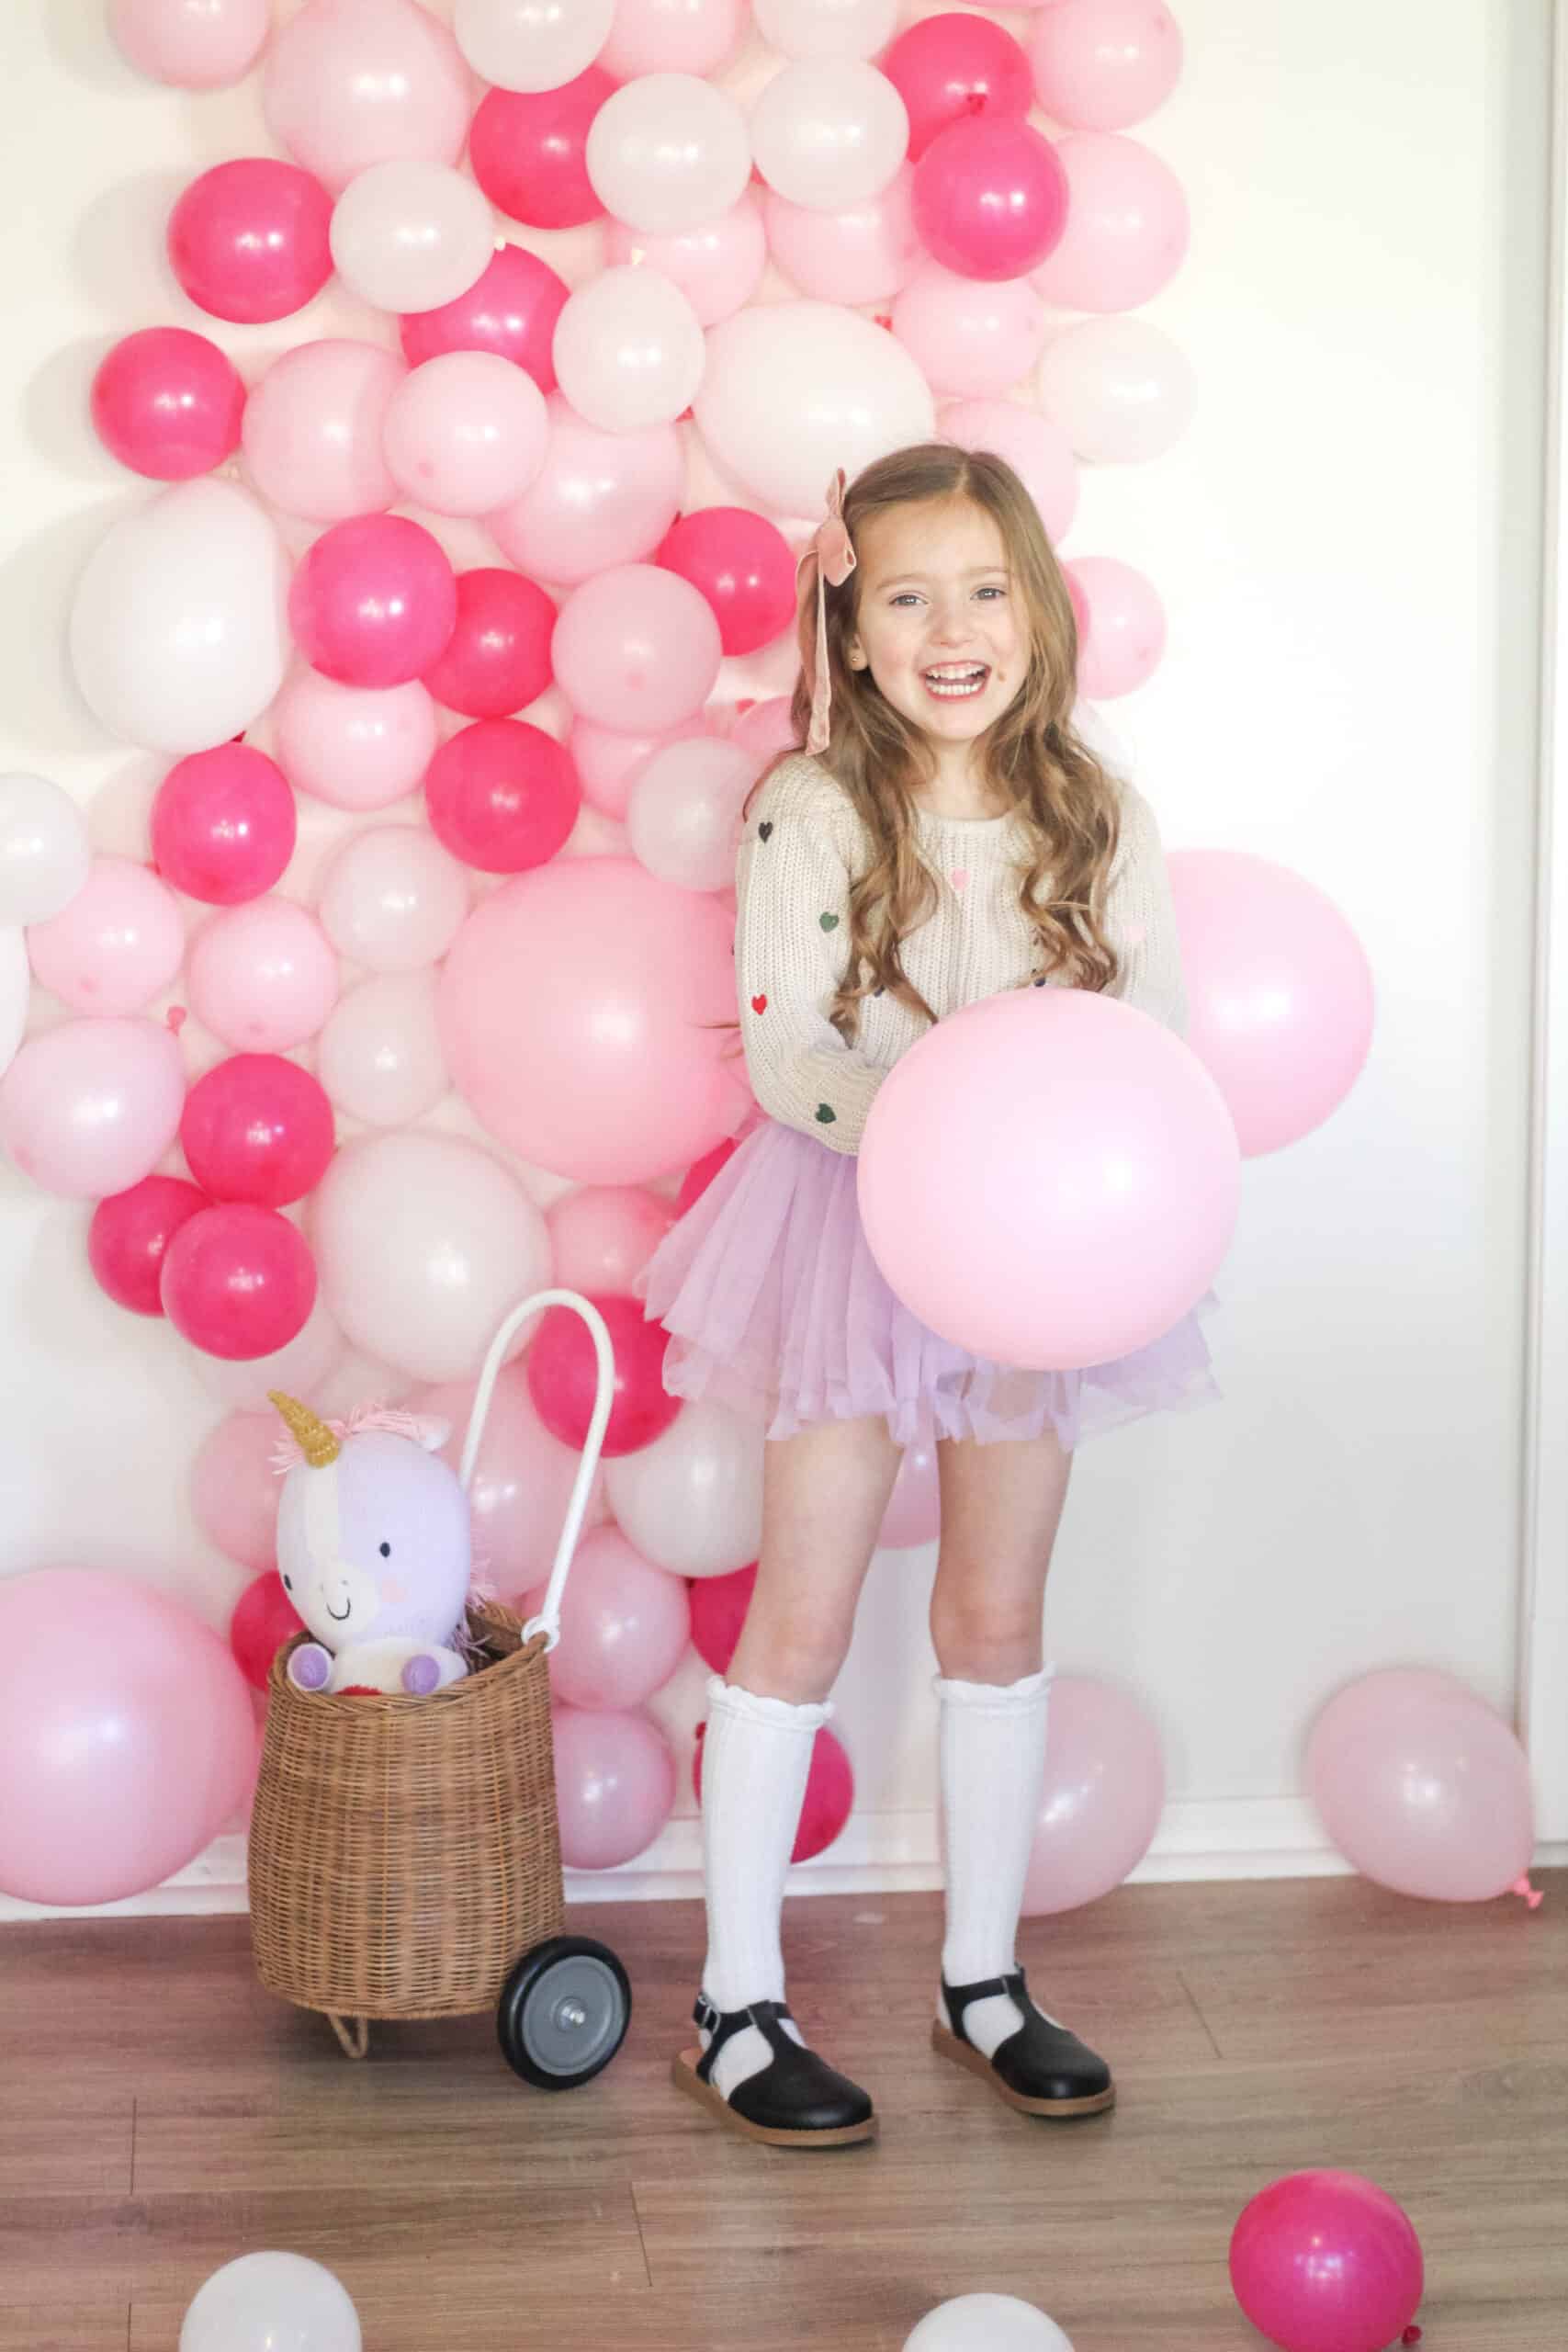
776	1308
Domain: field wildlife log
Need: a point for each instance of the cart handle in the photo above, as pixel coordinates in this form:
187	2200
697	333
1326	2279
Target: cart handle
548	1622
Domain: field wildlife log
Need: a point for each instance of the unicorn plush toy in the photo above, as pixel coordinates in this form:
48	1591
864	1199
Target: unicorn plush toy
375	1550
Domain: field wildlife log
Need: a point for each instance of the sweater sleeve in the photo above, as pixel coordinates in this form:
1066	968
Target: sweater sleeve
793	881
1140	918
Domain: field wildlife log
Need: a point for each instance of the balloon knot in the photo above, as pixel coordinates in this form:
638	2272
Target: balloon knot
176	1018
1411	2335
1532	1895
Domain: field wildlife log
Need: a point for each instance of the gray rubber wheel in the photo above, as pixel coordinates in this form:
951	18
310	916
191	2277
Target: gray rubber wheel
563	2012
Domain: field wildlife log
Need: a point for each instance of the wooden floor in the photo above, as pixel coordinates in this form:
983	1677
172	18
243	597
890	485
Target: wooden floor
160	2114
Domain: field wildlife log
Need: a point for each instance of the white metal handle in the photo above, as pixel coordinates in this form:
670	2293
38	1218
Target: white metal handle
548	1622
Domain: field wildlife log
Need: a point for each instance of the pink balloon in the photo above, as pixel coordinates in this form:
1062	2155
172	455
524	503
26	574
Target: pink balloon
866	254
223	824
466	433
118	944
117	1774
349	85
624	1627
498	657
743	565
1127	226
950	67
563	1377
502	794
90	1107
522	1483
765	728
1325	2261
192	44
673	36
990	199
970	339
602	1236
637	647
1038	451
374	601
257	1127
582	1014
607	762
1121	626
600	498
511	308
1279	992
1049	1179
168	403
614	1786
1103	1795
701	1173
354	747
130	1233
1422	1786
717	266
314	426
234	1488
248	239
526	149
263	976
913	1516
1104	64
238	1280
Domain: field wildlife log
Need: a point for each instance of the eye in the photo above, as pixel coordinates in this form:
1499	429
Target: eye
386	1551
992	592
906	596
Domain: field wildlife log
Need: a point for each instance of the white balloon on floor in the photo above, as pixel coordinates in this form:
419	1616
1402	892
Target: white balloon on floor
272	2302
984	2324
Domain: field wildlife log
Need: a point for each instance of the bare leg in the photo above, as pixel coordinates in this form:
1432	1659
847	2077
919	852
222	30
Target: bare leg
824	1496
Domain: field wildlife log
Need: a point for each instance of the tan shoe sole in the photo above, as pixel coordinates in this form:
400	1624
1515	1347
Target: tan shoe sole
684	2076
964	2053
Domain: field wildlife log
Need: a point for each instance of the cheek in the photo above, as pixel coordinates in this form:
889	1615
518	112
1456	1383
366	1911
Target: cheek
394	1592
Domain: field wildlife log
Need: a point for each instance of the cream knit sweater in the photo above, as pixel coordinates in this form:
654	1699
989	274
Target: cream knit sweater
803	845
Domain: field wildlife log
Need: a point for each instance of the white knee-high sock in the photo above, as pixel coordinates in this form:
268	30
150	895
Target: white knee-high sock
756	1757
992	1751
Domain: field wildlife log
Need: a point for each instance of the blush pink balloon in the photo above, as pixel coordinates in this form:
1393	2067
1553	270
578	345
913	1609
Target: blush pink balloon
248	239
511	309
167	403
314	425
234	1488
637	645
374	601
115	1775
672	36
191	44
115	946
522	1483
913	1516
354	747
90	1107
1120	625
607	762
970	340
466	433
598	500
498	657
502	794
223	824
624	1626
614	1786
1038	451
1279	992
527	149
717	266
866	254
765	728
238	1280
1127	226
1105	64
348	85
1102	1798
130	1233
1325	2261
603	1235
262	975
257	1127
990	199
582	1014
1050	1179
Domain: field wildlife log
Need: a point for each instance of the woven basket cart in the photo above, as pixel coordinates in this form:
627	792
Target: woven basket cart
404	1852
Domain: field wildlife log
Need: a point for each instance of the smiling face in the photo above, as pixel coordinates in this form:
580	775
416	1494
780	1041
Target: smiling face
938	620
376	1544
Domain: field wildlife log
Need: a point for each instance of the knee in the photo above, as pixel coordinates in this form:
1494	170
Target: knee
984	1638
790	1658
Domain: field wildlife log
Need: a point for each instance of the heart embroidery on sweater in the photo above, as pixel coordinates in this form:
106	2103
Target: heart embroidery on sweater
764	832
759	1004
826	1115
829	922
959	877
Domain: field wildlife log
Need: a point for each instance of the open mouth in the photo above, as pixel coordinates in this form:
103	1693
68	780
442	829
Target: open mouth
957	680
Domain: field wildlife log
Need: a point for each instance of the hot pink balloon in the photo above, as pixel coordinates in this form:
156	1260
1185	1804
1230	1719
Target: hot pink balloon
498	657
130	1233
718	1615
115	1775
257	1127
614	1786
866	253
466	433
234	1488
168	403
1281	995
913	1516
1038	451
582	1014
598	500
502	794
262	1618
248	239
511	309
970	338
624	1626
563	1377
90	1107
637	647
947	68
743	565
1127	226
374	601
608	761
766	729
191	44
1102	1798
223	824
1105	64
990	199
314	427
263	976
354	747
347	85
717	266
526	150
1325	2261
238	1280
1121	626
116	945
1049	1179
603	1235
522	1483
701	1173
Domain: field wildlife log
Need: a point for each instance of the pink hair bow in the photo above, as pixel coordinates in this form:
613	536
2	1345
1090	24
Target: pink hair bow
831	557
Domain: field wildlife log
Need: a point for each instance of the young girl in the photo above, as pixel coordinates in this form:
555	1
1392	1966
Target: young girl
945	836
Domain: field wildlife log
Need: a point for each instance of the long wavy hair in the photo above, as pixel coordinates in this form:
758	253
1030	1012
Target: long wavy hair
1069	804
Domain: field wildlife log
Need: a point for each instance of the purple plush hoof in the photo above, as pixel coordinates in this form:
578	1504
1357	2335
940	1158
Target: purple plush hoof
310	1666
421	1676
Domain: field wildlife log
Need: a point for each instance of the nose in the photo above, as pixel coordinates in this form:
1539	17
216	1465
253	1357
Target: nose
950	621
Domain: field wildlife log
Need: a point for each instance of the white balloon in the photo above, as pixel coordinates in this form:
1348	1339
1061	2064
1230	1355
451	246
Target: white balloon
684	815
423	1242
986	2324
792	390
178	633
829	132
411	235
392	897
272	2302
44	852
15	993
827	28
628	350
1120	388
668	153
532	44
380	1056
692	1501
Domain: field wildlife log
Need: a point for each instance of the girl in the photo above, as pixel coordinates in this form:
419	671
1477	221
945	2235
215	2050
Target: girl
945	835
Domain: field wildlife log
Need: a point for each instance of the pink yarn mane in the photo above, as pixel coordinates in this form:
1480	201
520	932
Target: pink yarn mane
375	1416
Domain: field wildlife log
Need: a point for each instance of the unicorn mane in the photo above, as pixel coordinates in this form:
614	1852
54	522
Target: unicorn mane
287	1449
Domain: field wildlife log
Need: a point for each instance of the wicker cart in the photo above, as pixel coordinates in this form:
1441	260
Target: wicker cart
404	1852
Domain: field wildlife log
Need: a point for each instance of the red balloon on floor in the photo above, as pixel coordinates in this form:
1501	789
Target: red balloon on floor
264	1618
130	1234
829	1792
563	1376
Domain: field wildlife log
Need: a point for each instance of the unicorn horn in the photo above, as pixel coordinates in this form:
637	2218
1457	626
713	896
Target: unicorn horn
316	1442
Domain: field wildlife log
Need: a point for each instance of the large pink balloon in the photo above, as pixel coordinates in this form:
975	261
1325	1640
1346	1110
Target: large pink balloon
248	239
599	499
223	824
990	199
864	254
116	1775
313	429
168	403
192	44
522	1483
1127	226
583	1013
263	975
717	266
624	1625
1123	636
637	647
1038	451
351	82
1325	2261
1104	64
1279	992
614	1786
374	601
90	1107
603	1235
1049	1179
116	945
355	747
234	1488
1422	1785
1102	1798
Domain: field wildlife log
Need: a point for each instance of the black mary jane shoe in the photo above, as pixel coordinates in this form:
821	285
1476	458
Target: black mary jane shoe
796	2101
1042	2069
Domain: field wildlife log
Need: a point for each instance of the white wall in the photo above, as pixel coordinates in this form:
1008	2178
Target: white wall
1347	544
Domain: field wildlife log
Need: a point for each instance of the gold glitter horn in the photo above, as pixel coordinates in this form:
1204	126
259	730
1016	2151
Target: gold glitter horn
316	1442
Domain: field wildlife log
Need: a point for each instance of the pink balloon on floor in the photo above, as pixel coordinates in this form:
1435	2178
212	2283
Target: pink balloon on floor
191	44
603	1235
115	1775
1121	626
1281	998
526	150
90	1107
637	647
511	309
913	1516
374	601
223	824
263	976
498	657
624	1626
1105	64
346	86
502	794
1127	226
1038	451
598	500
234	1488
116	945
952	66
238	1280
248	239
354	747
314	426
257	1127
1103	1795
522	1483
1325	2261
717	266
168	403
990	199
866	253
614	1786
130	1233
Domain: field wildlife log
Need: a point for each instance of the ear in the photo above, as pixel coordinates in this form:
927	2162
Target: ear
855	654
433	1435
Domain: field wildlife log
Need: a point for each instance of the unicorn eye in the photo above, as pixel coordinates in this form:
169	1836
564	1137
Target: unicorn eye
386	1551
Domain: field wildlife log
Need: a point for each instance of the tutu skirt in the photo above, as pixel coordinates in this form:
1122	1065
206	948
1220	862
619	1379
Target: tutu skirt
776	1308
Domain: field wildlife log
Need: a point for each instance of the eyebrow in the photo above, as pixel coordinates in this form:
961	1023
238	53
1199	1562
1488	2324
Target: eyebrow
975	571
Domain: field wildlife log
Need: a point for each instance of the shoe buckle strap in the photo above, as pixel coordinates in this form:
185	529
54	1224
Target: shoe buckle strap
959	1996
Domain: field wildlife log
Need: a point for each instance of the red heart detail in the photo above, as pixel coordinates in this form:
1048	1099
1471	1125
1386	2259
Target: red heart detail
759	1004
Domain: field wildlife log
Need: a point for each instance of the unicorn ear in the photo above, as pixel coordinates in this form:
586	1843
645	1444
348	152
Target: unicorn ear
433	1435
